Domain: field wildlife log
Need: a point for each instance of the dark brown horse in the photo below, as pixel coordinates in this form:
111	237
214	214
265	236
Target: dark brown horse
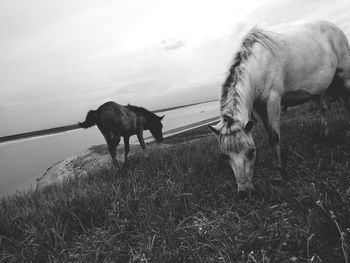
114	121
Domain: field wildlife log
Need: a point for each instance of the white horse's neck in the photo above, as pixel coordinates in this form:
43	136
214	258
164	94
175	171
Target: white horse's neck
239	101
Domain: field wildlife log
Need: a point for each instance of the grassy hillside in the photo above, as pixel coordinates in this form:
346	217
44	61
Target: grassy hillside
180	205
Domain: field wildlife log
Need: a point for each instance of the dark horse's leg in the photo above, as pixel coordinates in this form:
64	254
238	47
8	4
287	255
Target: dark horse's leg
112	143
141	140
116	141
126	149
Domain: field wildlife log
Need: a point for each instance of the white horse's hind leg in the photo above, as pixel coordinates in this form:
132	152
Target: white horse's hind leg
347	106
343	72
323	110
346	97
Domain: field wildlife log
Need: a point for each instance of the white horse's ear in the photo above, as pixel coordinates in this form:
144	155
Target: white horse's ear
249	126
215	129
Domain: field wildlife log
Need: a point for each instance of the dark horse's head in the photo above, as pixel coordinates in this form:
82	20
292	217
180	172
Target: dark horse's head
153	122
155	127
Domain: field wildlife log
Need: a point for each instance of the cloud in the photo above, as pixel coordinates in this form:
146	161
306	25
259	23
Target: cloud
171	44
85	54
145	84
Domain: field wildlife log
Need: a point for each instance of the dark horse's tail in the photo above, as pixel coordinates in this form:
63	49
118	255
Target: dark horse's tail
91	119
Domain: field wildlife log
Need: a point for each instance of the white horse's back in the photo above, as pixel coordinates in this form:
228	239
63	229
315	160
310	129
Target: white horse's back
308	57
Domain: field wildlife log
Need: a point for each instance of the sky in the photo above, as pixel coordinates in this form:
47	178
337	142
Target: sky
60	58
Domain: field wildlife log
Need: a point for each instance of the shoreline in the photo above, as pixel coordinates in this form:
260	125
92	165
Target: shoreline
61	129
97	156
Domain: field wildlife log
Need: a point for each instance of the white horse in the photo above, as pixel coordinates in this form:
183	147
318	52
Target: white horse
289	66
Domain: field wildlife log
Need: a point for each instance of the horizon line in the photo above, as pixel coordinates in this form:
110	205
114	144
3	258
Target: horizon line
70	127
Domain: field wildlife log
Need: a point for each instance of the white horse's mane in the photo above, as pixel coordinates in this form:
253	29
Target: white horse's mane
232	137
231	97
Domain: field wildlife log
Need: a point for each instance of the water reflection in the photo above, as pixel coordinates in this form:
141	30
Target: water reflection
21	162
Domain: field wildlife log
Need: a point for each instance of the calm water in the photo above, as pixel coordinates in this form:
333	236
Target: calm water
21	162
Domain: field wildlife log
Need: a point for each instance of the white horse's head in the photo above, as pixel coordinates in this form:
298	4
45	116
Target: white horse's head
236	141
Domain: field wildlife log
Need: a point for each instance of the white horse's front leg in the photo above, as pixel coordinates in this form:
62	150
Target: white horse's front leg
273	107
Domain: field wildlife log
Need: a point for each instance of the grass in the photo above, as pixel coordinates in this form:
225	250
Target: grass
181	205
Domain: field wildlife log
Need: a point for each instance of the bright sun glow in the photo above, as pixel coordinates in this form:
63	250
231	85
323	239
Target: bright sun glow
192	21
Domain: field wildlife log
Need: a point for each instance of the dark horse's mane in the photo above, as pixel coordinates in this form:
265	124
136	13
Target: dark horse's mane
236	70
148	114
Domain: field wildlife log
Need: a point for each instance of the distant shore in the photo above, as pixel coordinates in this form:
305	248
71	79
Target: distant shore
190	130
65	128
26	135
183	106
